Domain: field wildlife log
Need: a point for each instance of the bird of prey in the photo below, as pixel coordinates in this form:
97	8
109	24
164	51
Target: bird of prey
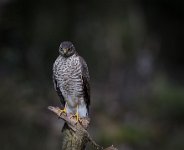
71	81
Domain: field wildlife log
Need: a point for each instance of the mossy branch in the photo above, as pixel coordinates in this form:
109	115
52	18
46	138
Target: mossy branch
75	135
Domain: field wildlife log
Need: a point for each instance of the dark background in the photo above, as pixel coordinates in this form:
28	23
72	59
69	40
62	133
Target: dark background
134	50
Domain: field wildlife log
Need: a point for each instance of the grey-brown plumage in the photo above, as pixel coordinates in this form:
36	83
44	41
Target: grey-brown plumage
71	80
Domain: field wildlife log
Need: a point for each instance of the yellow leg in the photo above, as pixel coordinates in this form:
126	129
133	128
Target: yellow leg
63	111
76	115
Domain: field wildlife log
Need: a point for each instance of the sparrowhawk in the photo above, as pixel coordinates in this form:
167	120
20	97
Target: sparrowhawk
71	81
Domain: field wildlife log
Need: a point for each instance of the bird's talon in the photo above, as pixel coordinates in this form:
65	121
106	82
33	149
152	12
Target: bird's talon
76	116
62	111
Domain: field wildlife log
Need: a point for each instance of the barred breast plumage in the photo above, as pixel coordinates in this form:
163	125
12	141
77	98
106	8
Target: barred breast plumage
68	74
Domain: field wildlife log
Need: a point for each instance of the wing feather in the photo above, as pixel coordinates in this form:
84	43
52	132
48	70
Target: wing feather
86	80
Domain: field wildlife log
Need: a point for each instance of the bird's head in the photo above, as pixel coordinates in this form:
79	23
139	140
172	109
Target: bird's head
66	49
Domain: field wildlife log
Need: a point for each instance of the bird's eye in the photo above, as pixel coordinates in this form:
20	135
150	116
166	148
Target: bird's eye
60	48
69	49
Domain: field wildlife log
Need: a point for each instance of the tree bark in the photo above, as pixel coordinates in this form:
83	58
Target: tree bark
75	135
73	140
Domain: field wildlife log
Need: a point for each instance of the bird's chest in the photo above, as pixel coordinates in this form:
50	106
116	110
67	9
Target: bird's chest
68	71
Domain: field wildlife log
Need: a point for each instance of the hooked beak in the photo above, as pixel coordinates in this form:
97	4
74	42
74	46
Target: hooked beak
65	51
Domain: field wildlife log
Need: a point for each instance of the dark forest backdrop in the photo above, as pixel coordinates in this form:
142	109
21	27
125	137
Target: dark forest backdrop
134	50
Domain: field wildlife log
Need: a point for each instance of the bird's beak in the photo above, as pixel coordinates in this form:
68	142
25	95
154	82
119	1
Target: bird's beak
65	50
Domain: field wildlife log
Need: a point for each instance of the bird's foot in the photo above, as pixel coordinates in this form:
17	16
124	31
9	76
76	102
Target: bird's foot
62	111
76	117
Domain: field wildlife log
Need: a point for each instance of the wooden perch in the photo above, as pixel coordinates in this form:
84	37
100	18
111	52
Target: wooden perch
75	135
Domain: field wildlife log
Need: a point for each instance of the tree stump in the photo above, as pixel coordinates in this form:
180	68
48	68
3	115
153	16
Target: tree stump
75	135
